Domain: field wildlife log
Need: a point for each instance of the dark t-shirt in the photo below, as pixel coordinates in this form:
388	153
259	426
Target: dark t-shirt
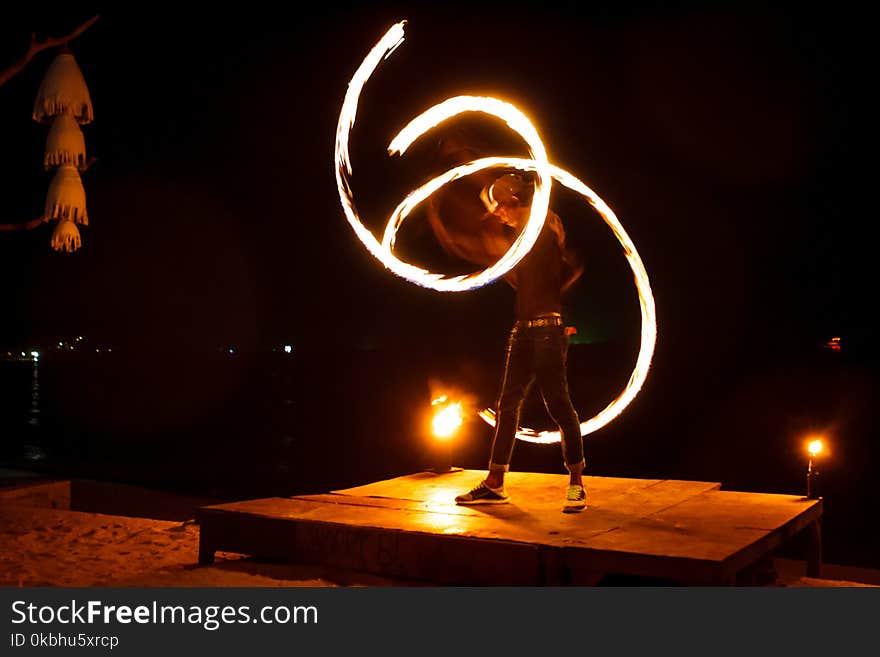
538	277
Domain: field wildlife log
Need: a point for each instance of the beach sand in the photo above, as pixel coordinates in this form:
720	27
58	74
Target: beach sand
47	538
50	547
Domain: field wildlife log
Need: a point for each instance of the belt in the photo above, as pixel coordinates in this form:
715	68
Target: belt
540	321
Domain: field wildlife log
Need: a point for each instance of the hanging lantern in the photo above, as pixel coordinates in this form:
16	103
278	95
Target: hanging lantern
66	236
67	197
65	144
63	90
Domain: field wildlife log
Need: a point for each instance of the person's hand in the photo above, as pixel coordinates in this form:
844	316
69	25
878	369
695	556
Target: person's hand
572	271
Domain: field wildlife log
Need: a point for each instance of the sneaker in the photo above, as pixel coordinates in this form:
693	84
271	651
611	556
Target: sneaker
482	494
575	499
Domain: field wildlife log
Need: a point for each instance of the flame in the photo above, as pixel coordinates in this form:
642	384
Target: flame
546	172
417	127
447	420
815	447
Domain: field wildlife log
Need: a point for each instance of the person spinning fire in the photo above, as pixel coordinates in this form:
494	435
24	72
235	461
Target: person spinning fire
538	344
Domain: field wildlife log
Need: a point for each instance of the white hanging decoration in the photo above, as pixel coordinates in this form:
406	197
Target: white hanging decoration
63	100
66	236
67	197
65	144
63	90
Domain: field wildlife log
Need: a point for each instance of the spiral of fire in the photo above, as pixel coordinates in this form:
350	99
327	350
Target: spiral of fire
545	174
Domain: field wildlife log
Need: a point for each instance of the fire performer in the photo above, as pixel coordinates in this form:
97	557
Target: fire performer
537	345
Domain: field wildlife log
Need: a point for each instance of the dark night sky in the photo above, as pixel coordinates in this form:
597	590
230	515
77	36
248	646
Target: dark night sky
724	138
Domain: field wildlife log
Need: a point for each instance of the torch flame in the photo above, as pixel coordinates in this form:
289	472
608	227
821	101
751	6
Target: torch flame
447	420
815	447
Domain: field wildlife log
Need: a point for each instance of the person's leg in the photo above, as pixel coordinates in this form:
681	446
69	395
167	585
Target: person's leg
551	350
518	378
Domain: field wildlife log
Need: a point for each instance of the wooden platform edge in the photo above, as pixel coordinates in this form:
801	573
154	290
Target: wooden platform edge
809	521
410	555
290	529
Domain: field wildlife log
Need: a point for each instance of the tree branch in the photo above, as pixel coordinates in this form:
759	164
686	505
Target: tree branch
27	225
36	47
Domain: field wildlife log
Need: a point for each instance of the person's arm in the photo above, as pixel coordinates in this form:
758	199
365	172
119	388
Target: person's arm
572	267
482	246
457	245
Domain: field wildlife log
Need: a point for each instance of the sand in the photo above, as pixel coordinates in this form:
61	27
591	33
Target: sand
84	532
52	547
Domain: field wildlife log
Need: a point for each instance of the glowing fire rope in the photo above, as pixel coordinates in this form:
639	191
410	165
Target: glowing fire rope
545	173
434	116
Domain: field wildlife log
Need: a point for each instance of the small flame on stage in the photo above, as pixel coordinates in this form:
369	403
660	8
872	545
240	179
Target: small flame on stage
447	419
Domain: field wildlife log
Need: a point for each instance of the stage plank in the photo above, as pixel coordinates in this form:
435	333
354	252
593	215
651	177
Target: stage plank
409	526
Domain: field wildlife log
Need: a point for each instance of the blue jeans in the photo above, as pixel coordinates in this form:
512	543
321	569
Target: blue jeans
537	353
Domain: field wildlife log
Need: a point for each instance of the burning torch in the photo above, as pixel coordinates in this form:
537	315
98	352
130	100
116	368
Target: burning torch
814	449
447	420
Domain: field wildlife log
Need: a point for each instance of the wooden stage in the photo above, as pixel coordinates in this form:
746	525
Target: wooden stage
409	528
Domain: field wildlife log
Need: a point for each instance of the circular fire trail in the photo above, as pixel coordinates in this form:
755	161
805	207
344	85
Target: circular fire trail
538	163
